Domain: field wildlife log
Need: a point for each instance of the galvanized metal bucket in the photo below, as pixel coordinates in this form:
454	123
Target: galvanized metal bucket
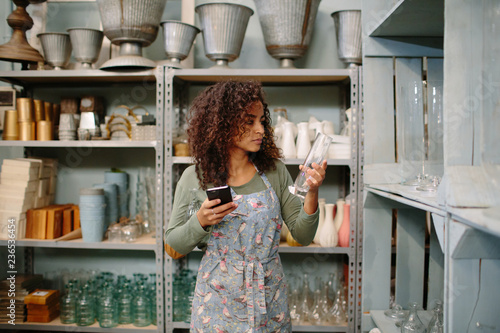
86	45
287	26
56	48
178	38
348	33
132	24
223	26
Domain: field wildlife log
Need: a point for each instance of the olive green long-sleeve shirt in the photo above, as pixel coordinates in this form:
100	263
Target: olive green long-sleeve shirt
183	236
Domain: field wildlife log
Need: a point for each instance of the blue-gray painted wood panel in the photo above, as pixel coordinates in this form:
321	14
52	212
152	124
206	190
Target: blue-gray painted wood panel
378	97
435	281
377	226
410	256
464	82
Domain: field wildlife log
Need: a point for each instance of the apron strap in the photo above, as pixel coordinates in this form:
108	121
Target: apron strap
256	295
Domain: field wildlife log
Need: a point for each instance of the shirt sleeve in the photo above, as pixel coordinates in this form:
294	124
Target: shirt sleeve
181	235
302	225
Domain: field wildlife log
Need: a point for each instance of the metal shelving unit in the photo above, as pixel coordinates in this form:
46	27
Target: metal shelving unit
31	80
177	83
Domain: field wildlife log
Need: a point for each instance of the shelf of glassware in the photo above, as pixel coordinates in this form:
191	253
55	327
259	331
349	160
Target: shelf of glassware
56	325
144	243
295	328
86	144
75	77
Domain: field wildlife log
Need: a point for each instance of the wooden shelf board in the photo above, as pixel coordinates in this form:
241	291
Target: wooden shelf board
408	195
410	18
476	218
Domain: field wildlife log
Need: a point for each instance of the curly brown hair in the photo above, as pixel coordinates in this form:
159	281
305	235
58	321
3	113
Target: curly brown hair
216	118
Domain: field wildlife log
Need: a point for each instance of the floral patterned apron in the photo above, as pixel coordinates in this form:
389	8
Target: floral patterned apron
240	286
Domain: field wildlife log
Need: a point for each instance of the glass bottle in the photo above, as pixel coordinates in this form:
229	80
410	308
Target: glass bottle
107	310
337	314
305	302
85	308
295	313
316	315
436	323
68	305
325	301
124	300
413	324
141	305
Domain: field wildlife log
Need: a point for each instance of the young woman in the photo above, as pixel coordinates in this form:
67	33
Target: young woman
241	285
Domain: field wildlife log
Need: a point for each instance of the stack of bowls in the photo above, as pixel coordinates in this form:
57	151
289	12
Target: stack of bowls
67	127
121	180
92	214
111	195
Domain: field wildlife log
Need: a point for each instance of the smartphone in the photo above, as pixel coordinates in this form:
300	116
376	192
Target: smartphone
222	192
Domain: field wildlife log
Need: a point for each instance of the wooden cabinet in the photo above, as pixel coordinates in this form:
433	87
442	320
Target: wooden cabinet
442	245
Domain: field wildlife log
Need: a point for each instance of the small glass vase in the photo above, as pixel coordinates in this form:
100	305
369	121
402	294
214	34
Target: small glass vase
413	324
436	324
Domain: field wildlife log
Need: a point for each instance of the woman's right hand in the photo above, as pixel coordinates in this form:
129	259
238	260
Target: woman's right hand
210	215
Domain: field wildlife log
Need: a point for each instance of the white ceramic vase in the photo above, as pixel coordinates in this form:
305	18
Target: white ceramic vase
328	127
288	141
339	216
329	234
321	204
303	140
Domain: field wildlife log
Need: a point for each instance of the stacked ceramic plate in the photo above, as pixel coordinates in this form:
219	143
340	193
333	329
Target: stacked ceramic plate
340	148
67	127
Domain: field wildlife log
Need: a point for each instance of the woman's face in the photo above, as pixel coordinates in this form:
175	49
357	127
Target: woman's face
253	129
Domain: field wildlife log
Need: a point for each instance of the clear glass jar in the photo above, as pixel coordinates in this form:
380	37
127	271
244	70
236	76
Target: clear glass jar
85	314
142	303
115	234
68	305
